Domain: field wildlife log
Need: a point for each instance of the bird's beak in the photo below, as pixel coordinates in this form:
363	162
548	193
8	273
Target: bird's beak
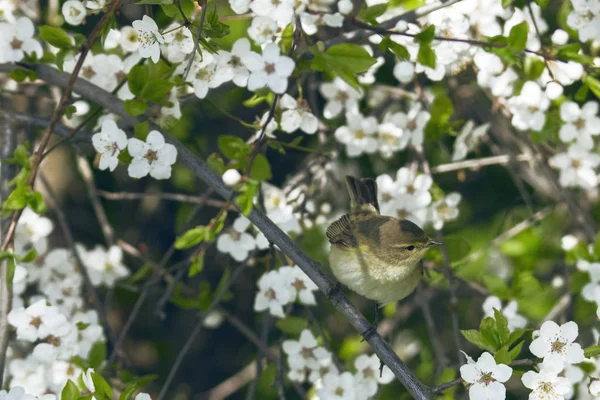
432	243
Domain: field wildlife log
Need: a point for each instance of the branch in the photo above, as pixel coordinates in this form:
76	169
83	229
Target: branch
8	143
272	232
479	162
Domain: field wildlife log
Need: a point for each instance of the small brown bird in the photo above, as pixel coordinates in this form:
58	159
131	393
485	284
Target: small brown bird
375	255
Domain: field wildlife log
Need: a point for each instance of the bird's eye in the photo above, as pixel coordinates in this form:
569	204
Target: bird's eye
410	248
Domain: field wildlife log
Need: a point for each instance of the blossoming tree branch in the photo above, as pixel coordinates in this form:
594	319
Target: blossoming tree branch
173	179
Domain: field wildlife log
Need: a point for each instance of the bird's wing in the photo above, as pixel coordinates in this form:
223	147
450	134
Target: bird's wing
340	232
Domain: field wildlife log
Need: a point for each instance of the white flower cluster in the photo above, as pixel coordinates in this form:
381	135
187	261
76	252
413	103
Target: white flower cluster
273	16
18	393
591	291
154	156
307	360
16	40
75	11
409	197
579	163
53	322
238	243
585	18
283	286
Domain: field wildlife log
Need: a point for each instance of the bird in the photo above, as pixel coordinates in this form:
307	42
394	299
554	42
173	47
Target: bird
374	255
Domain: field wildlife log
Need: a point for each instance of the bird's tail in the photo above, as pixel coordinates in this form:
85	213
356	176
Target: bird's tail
363	194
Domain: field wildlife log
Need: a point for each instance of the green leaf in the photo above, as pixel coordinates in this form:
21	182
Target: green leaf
18	74
21	156
128	392
135	107
190	238
97	355
11	266
515	351
36	203
141	130
103	390
215	162
233	147
475	337
197	265
70	110
137	78
426	36
17	199
516	335
397	49
534	68
495	285
426	56
213	27
56	37
489	332
591	351
352	56
517	38
29	256
441	110
501	326
292	325
70	391
157	90
370	14
593	84
261	169
6	255
502	356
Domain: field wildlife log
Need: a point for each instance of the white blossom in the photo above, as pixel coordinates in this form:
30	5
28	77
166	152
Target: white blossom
580	123
557	342
367	376
74	12
585	18
412	124
230	64
528	108
297	115
237	244
445	209
109	142
16	40
359	134
37	321
576	167
270	69
486	378
304	355
338	387
301	285
263	29
546	384
468	139
178	42
149	38
273	293
153	157
105	267
340	96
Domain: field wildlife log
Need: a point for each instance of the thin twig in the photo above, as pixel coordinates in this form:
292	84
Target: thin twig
438	348
264	338
184	350
515	230
95	301
232	384
453	299
88	178
184	198
479	162
196	41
